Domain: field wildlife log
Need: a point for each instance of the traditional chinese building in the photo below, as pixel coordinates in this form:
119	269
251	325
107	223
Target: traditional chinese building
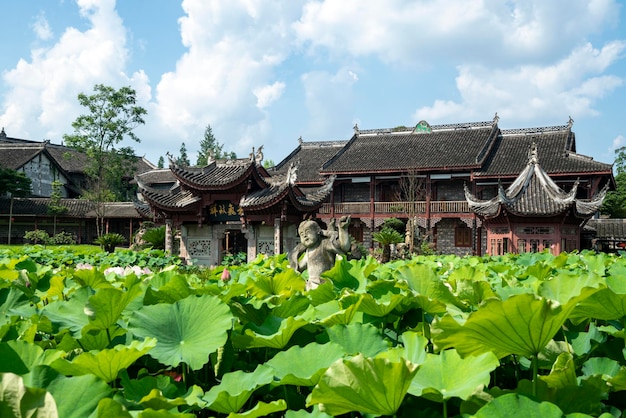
230	206
533	213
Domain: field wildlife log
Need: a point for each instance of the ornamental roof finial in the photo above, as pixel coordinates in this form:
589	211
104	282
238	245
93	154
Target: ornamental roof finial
533	155
300	141
496	119
570	122
356	128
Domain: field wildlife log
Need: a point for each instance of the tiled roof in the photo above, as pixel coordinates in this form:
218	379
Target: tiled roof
608	228
556	149
534	193
157	176
282	187
217	175
446	147
76	208
15	156
175	198
309	157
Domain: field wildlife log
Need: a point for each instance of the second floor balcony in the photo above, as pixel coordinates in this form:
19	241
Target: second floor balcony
398	209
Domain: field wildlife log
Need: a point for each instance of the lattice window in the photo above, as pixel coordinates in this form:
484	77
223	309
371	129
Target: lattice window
198	247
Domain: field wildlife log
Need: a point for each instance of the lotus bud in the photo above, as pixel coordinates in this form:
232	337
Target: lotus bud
225	275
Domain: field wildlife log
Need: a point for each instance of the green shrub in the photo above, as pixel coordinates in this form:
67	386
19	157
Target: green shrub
234	259
38	236
395	224
385	237
108	242
154	238
62	238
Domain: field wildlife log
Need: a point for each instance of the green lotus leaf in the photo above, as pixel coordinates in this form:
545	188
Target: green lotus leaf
350	274
322	294
91	278
30	355
568	286
105	364
609	370
332	313
275	332
106	306
413	349
10	299
367	385
167	286
285	283
563	372
522	324
604	304
382	305
70	314
156	400
514	405
109	408
236	388
19	401
78	396
303	413
358	338
292	306
187	331
136	389
10	361
303	366
151	413
431	293
262	409
582	341
447	375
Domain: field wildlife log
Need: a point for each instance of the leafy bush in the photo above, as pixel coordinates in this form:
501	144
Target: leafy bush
234	259
38	236
394	223
62	238
109	241
154	238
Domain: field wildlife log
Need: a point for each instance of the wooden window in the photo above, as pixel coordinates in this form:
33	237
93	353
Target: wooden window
462	236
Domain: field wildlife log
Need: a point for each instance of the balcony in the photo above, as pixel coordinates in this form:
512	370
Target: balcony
397	208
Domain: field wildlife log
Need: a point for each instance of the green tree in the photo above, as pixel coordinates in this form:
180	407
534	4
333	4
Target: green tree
268	163
112	117
15	184
211	149
183	159
615	202
161	162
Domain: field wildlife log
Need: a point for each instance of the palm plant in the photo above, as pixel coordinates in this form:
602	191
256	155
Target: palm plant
386	237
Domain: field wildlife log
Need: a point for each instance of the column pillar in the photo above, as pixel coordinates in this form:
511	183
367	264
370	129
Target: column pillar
169	240
278	238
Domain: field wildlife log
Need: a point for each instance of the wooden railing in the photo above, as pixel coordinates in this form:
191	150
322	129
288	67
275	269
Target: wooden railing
439	206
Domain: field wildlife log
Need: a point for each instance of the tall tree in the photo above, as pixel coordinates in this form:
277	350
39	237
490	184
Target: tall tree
112	117
211	149
183	159
161	162
55	207
15	184
615	202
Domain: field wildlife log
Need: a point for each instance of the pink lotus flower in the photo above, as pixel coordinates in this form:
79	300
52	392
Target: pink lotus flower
225	275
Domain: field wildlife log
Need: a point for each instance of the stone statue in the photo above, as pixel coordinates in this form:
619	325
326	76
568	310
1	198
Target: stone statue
320	247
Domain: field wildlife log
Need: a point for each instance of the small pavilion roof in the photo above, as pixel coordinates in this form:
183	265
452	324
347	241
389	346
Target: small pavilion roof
534	193
218	174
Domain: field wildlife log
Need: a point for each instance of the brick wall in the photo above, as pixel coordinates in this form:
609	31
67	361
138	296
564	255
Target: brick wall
445	238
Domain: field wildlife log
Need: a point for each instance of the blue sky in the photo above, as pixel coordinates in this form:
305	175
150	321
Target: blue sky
265	72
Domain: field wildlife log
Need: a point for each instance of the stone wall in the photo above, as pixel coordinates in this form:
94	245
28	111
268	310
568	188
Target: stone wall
445	238
450	190
42	173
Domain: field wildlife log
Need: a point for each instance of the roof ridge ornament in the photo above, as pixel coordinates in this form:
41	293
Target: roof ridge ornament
422	127
292	174
533	155
356	128
496	119
570	123
300	140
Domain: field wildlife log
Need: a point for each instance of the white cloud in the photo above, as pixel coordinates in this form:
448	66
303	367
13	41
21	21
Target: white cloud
406	32
571	86
42	28
42	93
268	94
618	142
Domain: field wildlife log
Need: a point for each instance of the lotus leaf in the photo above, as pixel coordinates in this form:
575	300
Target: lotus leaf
108	408
447	375
413	349
522	324
105	364
262	409
285	283
604	304
167	287
513	405
235	389
70	314
303	366
30	355
368	385
358	338
275	332
187	331
19	401
331	313
107	305
350	274
78	396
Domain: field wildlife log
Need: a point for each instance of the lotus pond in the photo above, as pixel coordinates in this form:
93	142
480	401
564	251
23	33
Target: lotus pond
437	336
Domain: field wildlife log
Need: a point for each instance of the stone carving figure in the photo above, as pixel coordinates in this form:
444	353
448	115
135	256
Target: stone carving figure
320	248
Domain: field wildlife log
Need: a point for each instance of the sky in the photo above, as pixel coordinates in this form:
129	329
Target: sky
267	72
